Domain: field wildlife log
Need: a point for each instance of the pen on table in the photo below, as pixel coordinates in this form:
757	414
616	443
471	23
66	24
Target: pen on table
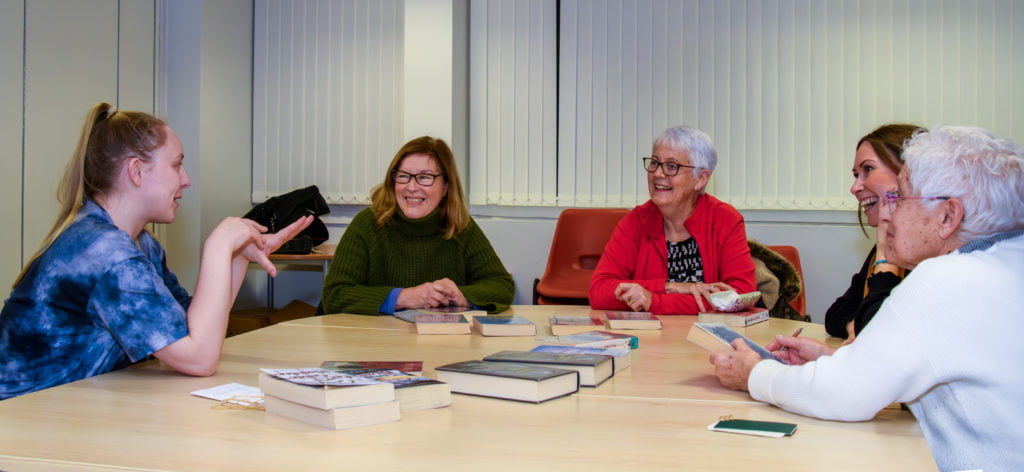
795	334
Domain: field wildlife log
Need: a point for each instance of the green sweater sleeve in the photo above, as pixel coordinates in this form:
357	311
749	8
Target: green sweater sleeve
345	286
489	286
369	262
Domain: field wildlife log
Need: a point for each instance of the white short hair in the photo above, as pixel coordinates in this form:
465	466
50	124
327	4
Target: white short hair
694	142
972	165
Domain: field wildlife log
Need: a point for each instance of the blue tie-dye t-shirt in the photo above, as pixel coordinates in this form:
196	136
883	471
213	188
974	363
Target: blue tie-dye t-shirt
94	302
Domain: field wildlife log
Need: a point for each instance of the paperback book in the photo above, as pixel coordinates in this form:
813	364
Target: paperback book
632	320
324	389
562	325
509	380
594	369
599	339
413	392
737	319
770	429
621	358
717	337
335	418
410	314
409	367
441	324
503	325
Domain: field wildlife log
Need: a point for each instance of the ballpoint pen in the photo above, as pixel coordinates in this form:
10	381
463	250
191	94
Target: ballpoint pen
795	334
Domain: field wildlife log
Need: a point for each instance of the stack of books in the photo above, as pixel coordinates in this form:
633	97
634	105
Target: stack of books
328	399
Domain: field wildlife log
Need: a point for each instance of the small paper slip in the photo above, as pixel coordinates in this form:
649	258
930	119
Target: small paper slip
228	391
757	428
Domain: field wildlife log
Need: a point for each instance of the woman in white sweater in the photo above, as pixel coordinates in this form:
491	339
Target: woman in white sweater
948	340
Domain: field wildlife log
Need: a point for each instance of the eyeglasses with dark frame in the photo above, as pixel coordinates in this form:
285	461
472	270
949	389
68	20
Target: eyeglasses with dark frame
424	179
893	196
669	168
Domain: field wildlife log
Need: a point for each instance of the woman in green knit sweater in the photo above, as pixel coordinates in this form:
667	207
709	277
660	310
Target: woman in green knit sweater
416	246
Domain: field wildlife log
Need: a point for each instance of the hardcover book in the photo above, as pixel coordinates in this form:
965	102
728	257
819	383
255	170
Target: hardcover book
594	369
621	358
503	325
335	418
739	318
509	380
324	389
562	325
409	367
413	392
717	337
632	320
599	339
441	324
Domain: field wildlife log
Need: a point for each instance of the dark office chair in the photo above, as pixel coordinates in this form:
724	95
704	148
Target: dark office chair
580	237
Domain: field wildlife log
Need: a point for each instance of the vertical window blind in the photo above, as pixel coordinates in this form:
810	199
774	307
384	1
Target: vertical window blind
565	97
784	88
327	95
513	91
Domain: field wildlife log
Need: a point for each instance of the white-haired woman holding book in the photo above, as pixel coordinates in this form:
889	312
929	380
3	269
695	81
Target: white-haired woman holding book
947	340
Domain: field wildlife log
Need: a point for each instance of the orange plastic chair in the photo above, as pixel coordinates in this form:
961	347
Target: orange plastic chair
793	256
580	237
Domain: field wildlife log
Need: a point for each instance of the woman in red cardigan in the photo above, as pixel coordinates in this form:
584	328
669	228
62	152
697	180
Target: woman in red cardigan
669	254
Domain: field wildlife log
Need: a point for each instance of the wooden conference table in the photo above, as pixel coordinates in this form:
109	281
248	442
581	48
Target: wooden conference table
652	416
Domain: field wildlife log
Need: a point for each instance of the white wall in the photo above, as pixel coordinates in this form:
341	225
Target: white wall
206	96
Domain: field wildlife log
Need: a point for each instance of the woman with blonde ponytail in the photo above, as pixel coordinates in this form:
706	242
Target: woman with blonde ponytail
97	295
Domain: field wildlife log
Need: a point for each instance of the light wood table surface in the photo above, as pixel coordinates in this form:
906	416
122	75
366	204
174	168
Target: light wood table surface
651	416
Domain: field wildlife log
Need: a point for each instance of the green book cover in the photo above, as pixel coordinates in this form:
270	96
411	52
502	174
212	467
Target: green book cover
757	428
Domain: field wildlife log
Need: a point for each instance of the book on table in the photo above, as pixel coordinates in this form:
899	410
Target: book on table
503	325
409	367
737	318
322	388
335	418
594	369
621	358
772	429
413	392
718	337
599	339
509	380
632	320
328	399
409	314
442	324
562	325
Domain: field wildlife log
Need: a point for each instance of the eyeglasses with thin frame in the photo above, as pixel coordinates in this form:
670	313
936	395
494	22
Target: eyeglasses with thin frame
669	168
424	179
893	196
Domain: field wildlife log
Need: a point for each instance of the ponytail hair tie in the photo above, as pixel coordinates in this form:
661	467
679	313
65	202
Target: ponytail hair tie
880	261
111	111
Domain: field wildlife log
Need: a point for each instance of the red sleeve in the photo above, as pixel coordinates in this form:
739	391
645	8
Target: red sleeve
618	264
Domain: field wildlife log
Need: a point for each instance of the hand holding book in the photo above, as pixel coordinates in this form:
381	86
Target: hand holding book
733	368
